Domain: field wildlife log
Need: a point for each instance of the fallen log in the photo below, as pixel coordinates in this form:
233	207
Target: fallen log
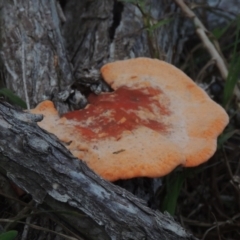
38	163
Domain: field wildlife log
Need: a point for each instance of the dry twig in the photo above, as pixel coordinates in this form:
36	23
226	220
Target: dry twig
202	32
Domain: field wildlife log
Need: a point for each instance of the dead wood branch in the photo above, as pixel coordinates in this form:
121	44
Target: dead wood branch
203	33
38	163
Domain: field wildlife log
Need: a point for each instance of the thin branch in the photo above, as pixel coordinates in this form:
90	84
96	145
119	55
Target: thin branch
201	31
214	51
24	72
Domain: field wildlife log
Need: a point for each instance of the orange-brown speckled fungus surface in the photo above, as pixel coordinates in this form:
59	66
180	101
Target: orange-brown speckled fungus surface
155	119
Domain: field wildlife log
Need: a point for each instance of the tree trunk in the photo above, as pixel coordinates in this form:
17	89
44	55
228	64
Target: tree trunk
32	50
50	54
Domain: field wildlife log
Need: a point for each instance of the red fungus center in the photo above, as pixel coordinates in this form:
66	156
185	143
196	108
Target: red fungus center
109	114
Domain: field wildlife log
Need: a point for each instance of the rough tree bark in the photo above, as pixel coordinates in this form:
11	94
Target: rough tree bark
43	52
47	51
32	51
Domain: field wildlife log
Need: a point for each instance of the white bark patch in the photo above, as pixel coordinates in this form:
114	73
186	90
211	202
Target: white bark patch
58	196
4	123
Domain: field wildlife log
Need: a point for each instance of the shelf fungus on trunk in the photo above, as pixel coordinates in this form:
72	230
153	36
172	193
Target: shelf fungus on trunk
156	119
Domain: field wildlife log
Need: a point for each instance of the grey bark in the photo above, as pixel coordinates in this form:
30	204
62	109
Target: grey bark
47	51
32	50
113	30
38	163
51	51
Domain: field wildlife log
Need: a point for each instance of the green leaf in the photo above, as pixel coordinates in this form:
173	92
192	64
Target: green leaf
234	70
232	79
225	136
219	32
130	1
10	235
12	98
174	184
159	24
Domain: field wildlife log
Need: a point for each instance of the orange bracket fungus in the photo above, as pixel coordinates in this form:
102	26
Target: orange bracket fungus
155	119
